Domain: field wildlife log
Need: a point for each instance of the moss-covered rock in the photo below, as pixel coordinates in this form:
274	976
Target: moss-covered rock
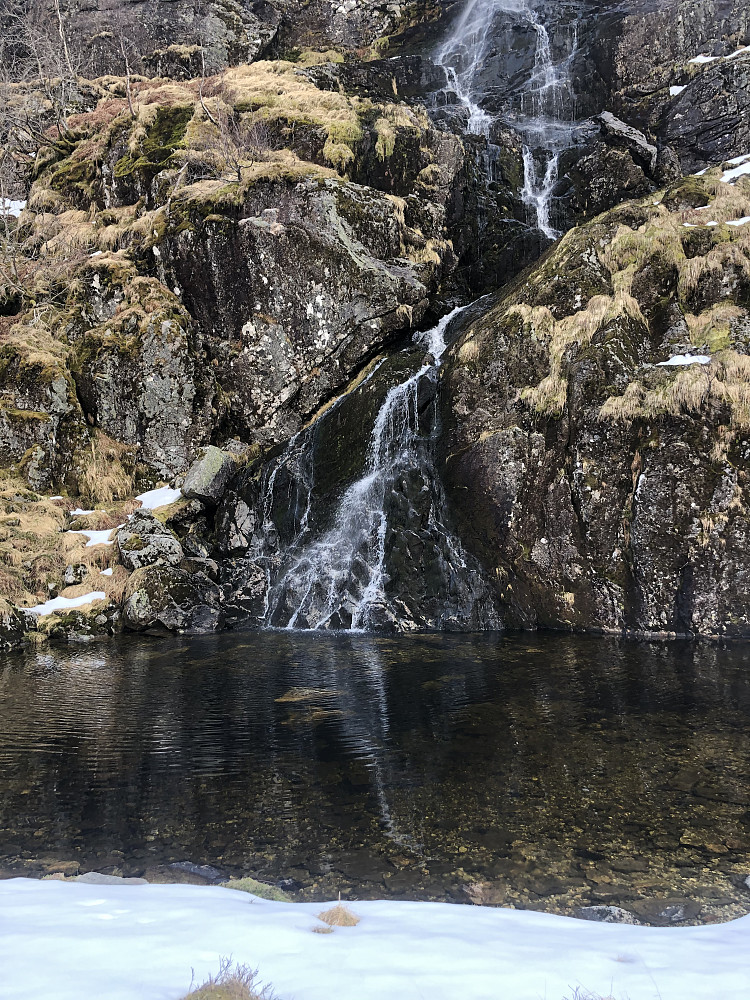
600	488
168	598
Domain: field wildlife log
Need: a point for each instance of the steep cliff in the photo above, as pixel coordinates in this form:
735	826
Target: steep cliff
597	422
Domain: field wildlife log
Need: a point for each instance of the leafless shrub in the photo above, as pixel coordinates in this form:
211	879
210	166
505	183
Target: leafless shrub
233	982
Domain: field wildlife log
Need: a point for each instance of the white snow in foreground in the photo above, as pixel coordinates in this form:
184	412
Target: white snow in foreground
158	498
97	537
675	91
63	941
740	222
10	207
63	604
686	359
704	59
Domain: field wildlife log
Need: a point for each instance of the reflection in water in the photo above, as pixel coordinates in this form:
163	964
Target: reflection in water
544	771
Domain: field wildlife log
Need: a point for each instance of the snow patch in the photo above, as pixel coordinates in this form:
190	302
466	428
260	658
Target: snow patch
144	942
740	167
739	52
10	207
97	537
675	91
740	222
64	603
701	59
106	572
686	359
158	498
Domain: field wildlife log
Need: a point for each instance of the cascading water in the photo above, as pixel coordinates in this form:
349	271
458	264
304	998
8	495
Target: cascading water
544	118
380	556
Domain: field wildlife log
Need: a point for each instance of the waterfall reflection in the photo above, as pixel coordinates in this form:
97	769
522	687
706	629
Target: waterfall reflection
385	764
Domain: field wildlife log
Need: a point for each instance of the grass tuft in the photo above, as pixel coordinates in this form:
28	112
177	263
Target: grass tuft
339	916
260	889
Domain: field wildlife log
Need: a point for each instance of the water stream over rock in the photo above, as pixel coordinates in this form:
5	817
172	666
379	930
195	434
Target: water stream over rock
360	542
542	108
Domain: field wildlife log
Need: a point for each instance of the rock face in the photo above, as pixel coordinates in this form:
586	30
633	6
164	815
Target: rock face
679	73
144	541
164	597
600	488
166	36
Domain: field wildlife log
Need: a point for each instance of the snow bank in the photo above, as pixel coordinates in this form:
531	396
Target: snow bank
67	941
740	166
158	498
64	604
686	359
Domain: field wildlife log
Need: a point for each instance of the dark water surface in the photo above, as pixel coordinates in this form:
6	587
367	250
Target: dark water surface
534	770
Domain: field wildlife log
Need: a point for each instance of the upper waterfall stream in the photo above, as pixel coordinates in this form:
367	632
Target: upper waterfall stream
545	108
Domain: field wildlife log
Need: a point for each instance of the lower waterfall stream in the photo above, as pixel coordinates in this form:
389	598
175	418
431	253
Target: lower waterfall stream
333	555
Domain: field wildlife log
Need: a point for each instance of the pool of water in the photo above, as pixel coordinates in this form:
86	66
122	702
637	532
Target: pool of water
532	770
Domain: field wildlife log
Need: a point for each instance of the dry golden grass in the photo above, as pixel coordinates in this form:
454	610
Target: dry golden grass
657	245
339	915
232	983
108	474
723	383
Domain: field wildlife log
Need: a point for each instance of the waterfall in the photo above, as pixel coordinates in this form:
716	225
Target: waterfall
338	579
545	97
360	542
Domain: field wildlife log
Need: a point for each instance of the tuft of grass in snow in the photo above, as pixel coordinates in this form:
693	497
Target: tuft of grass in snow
232	983
260	889
339	916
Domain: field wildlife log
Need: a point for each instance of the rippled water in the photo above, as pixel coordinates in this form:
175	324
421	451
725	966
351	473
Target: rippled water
545	771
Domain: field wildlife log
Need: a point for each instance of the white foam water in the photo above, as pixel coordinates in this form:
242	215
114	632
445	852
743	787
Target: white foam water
338	579
546	95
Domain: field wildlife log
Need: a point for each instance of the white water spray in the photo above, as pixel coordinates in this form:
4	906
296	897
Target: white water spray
337	580
541	124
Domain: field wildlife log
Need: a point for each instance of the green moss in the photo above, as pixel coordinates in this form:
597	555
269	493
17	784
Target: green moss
24	415
162	138
261	889
76	179
133	544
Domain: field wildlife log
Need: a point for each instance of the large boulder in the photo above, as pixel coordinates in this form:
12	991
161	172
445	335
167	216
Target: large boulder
144	541
13	626
174	599
207	477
